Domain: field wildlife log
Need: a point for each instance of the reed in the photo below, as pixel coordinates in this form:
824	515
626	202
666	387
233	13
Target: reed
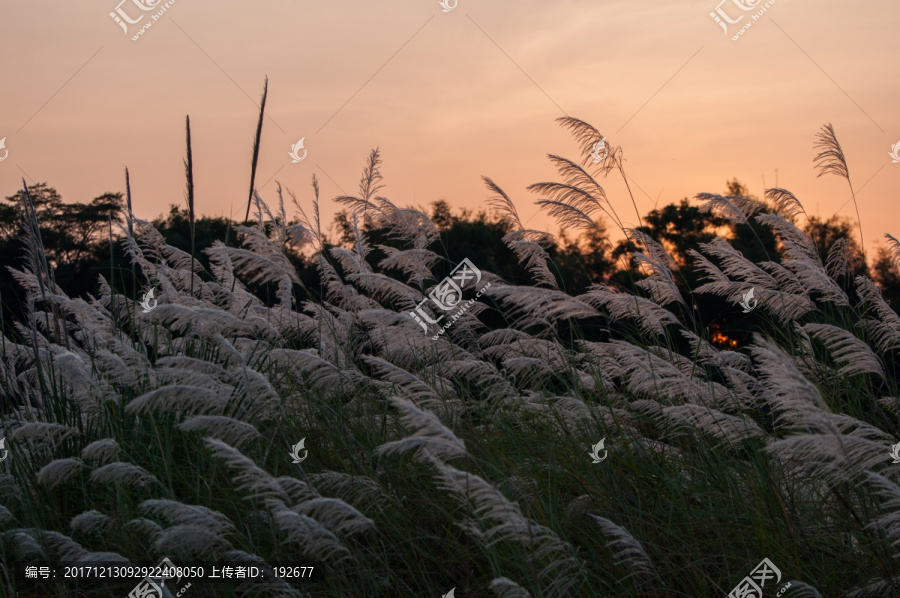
189	191
256	143
460	462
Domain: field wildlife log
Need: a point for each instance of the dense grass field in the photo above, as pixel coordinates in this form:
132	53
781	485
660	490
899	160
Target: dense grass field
462	459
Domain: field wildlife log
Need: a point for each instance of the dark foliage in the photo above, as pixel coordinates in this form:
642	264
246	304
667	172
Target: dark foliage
77	241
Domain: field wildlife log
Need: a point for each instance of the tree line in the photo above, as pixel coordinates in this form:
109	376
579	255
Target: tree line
82	242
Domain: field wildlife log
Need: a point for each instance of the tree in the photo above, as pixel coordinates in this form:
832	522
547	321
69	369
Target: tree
70	231
755	241
176	228
678	228
826	233
584	260
886	273
75	237
441	216
682	227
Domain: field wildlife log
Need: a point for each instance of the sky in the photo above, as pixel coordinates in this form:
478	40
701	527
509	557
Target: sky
450	96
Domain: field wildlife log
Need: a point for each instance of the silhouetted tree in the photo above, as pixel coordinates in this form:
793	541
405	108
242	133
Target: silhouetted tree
80	247
441	215
584	260
176	228
70	231
825	233
886	273
75	237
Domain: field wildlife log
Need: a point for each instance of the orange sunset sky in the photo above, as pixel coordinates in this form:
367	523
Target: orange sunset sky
450	96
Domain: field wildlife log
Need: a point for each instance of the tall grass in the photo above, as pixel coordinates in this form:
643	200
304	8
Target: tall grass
256	144
461	462
189	190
